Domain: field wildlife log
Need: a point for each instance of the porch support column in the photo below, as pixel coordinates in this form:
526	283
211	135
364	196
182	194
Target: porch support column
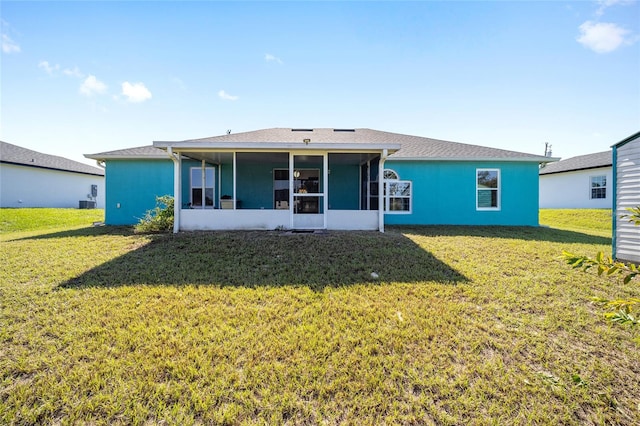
291	206
177	188
203	182
219	186
325	187
234	181
381	197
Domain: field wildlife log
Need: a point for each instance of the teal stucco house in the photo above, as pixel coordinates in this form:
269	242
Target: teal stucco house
340	179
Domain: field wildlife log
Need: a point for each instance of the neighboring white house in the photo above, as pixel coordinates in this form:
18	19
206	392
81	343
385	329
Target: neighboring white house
33	179
626	189
582	182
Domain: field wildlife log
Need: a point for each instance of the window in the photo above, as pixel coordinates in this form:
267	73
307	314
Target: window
487	189
390	174
200	198
598	187
397	193
398	196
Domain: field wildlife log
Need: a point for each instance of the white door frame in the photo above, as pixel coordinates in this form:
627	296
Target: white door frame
324	184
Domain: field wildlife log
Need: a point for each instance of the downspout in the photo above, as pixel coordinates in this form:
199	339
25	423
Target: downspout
177	196
381	200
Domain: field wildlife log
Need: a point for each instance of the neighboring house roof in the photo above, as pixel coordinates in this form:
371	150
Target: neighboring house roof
627	140
17	155
401	147
581	162
147	151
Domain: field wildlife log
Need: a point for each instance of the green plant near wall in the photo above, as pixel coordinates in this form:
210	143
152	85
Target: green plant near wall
158	219
623	311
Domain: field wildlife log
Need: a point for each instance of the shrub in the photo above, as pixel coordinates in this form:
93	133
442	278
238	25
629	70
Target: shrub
623	311
158	219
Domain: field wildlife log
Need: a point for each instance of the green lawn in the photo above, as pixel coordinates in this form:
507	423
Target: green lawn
15	220
581	220
465	325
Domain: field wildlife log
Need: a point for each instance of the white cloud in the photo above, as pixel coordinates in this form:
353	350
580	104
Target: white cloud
75	72
270	58
49	69
224	95
8	45
602	37
135	92
92	86
604	4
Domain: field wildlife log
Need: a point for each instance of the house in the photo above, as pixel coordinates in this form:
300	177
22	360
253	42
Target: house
581	182
626	193
33	179
285	178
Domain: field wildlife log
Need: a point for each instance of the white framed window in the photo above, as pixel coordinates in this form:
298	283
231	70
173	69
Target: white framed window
598	187
391	174
201	191
487	189
397	193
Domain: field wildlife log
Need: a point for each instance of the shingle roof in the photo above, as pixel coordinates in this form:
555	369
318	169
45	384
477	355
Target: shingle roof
410	147
147	151
14	154
581	162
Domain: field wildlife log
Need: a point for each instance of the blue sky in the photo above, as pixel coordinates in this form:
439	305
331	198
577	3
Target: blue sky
80	77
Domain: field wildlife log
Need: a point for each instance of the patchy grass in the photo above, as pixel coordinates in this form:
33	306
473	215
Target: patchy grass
13	220
583	220
481	325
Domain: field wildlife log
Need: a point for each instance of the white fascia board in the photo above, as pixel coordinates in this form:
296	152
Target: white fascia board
509	160
275	146
128	157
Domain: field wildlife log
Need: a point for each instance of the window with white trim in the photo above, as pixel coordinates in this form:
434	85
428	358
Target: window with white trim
598	187
397	193
390	174
487	189
200	197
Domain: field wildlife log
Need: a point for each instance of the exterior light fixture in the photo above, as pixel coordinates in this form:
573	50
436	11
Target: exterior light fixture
306	141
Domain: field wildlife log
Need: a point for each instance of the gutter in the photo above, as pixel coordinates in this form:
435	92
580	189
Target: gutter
55	169
539	160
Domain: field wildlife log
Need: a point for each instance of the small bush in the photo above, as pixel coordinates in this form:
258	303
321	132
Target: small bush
158	219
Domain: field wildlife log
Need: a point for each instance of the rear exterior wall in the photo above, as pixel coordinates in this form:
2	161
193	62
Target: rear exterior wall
24	186
572	190
444	193
132	187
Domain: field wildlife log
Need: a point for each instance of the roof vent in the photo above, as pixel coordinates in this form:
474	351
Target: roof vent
344	130
302	130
